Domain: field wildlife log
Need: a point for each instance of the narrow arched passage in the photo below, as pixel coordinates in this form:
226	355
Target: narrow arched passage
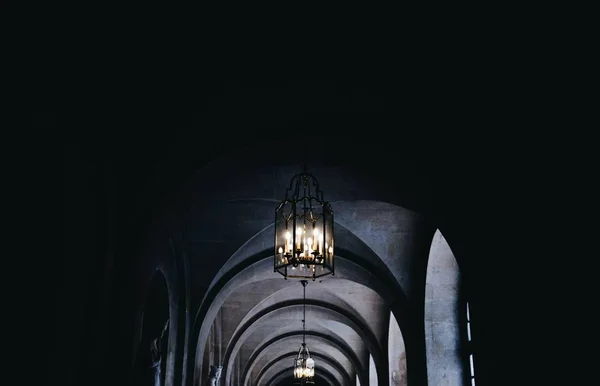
284	377
350	319
349	265
289	356
338	344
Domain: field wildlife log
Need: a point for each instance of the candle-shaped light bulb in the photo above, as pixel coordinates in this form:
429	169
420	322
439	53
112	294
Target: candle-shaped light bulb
319	243
330	250
280	250
299	238
288	237
304	234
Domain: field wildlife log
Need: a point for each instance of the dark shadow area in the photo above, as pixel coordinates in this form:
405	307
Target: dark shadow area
150	363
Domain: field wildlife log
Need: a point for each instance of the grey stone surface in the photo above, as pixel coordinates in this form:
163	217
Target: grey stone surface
382	247
444	365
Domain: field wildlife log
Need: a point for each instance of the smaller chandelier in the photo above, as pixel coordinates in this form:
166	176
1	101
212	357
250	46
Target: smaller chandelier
304	231
304	365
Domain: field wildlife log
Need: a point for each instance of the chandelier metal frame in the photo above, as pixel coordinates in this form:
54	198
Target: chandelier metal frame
304	242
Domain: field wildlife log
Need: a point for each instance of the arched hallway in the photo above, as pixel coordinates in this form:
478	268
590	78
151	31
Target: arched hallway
407	260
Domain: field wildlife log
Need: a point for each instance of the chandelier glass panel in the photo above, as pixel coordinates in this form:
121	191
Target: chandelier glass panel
304	245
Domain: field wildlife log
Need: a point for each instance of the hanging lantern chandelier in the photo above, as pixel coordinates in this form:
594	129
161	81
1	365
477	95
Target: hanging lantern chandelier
304	365
304	231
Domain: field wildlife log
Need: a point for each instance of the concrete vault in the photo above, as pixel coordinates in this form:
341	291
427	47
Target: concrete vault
169	277
365	324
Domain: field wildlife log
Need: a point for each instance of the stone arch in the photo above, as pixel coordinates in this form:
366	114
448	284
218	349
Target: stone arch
363	330
321	376
327	336
292	354
324	292
363	257
263	241
334	342
261	263
398	315
255	171
321	366
254	358
161	252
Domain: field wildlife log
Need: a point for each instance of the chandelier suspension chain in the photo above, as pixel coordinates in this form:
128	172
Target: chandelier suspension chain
304	282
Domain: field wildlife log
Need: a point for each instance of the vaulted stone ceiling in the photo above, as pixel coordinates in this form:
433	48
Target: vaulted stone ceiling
247	318
201	186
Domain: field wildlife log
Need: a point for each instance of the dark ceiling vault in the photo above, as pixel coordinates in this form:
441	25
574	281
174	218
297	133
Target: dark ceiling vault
195	200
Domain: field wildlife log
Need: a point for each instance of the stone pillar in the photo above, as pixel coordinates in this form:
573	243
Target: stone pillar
215	375
396	354
442	334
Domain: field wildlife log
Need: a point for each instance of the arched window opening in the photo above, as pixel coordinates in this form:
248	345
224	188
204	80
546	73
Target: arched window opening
443	316
372	372
470	347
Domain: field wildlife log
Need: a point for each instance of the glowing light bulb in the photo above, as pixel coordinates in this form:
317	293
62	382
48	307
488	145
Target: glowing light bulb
299	238
280	250
288	237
